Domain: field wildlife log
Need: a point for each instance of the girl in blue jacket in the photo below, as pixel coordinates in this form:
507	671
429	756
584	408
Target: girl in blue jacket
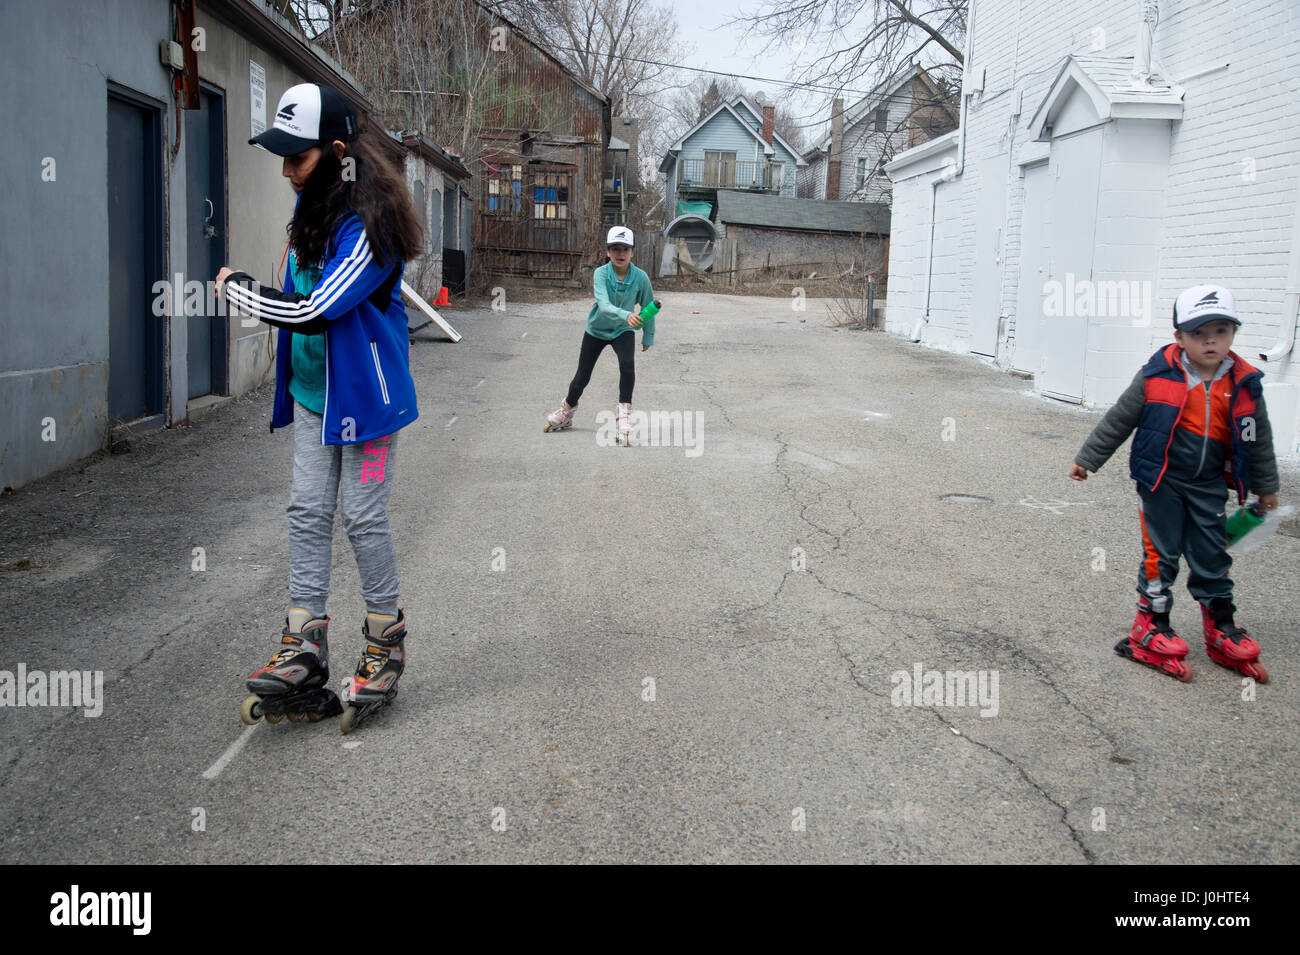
343	378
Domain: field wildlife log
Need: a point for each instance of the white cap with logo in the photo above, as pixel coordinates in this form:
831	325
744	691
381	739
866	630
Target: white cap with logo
1204	303
619	235
308	114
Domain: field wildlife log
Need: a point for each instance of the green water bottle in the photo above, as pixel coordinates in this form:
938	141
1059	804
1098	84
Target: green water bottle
1244	521
650	311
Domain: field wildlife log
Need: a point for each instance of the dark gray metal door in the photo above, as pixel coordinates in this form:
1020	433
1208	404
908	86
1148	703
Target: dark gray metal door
449	235
466	225
135	334
205	221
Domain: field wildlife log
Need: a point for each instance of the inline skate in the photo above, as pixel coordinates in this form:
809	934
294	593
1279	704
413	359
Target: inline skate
559	419
1227	644
382	662
1153	642
293	684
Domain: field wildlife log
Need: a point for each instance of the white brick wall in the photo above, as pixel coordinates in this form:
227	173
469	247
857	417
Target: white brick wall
1213	223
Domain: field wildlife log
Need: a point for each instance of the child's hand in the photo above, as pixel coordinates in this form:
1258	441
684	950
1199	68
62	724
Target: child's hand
644	347
1078	472
224	274
1268	502
635	318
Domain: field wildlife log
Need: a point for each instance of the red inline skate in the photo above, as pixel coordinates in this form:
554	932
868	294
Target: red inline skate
1227	644
1153	642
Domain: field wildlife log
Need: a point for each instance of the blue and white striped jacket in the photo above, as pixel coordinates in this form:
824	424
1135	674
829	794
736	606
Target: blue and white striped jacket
369	392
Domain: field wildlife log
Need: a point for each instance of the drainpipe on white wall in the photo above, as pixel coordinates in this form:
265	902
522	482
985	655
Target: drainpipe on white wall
952	171
1146	38
1291	300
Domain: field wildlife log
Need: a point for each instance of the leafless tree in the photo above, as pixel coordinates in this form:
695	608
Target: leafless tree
873	40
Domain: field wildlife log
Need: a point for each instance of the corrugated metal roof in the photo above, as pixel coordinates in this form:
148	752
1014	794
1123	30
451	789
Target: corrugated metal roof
803	215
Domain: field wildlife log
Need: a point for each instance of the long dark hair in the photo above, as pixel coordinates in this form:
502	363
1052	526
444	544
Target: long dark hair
373	188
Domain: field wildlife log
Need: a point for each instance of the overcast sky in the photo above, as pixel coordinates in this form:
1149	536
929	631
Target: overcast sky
717	46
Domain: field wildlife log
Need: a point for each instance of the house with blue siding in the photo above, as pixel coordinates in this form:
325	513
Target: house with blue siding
734	147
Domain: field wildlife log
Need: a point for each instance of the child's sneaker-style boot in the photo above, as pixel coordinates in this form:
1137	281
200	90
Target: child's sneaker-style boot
1152	641
382	662
559	419
1227	644
624	423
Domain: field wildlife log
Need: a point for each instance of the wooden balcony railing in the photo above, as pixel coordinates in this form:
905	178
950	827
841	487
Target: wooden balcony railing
727	174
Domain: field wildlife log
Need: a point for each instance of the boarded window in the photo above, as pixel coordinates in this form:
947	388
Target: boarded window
505	188
551	197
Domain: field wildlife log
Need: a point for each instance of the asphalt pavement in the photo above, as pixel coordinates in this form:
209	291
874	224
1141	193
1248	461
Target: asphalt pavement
855	612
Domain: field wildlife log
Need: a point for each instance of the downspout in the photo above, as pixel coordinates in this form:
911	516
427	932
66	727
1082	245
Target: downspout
950	172
1291	300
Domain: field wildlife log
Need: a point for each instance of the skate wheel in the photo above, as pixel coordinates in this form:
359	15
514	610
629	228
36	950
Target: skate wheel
348	719
296	717
273	717
315	717
1261	674
250	711
1185	674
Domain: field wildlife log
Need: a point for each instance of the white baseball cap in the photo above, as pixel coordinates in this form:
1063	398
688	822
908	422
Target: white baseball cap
1204	303
619	235
308	114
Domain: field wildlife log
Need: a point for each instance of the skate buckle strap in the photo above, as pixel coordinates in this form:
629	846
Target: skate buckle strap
1157	627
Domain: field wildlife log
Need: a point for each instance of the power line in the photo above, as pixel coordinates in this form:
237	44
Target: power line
739	76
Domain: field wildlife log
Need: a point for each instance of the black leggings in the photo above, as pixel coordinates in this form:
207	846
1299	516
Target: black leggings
624	347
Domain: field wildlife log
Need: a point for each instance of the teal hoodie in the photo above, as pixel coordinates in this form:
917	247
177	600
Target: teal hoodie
615	301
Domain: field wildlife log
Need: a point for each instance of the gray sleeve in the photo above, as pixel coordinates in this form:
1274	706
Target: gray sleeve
1114	429
1263	462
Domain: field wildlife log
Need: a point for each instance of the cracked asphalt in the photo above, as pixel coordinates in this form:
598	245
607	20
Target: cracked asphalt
650	654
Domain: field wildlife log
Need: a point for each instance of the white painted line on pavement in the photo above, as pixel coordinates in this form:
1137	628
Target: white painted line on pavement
451	422
213	771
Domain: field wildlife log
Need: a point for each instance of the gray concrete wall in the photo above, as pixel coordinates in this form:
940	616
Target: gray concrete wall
424	273
797	248
58	61
260	199
54	307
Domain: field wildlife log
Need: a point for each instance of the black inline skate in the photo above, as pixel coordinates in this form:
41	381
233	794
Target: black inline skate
293	684
382	662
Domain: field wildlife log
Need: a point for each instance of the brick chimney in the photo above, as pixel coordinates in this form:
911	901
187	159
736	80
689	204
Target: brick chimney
769	121
837	143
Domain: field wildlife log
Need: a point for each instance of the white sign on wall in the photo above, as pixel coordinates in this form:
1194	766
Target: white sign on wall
257	96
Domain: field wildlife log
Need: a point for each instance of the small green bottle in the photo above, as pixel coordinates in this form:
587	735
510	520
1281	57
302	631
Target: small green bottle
1244	521
650	311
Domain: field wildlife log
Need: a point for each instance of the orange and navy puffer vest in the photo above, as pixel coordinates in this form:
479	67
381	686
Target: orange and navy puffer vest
1171	404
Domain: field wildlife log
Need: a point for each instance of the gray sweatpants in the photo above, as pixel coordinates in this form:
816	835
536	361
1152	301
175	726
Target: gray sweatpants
361	476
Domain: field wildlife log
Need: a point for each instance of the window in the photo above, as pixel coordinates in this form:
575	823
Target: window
505	185
776	181
882	119
551	197
862	173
